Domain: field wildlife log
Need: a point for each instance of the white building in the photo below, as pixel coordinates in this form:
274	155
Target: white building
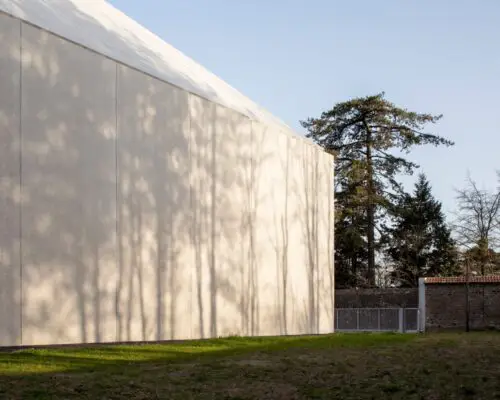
141	197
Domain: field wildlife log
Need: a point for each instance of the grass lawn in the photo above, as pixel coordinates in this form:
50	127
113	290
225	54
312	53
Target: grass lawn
342	366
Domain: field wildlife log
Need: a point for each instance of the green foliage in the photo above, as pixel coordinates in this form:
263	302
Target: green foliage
351	127
419	243
369	137
350	230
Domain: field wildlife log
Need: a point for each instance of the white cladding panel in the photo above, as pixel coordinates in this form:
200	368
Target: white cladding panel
69	191
146	213
326	290
99	26
270	187
203	169
154	280
10	111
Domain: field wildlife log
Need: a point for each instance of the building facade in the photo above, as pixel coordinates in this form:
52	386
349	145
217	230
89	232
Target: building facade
142	198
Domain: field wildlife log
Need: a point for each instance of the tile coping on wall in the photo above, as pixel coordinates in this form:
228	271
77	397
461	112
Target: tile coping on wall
461	279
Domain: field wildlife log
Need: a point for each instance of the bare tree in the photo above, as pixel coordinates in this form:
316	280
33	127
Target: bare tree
477	224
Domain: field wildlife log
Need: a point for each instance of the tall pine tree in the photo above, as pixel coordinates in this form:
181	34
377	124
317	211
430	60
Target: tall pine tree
362	132
419	243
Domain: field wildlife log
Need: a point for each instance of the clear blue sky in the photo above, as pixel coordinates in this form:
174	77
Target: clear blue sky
298	58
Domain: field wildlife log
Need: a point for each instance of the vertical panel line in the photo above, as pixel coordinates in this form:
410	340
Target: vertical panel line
20	181
213	194
117	208
191	212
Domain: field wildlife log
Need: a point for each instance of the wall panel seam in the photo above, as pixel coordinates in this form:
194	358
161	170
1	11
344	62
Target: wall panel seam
213	194
191	206
20	182
117	210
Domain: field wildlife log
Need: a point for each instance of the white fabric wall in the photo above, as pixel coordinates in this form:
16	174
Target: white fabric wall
68	136
10	113
132	210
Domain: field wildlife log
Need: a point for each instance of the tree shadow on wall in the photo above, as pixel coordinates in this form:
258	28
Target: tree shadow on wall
310	224
128	47
107	150
68	187
314	218
236	283
153	193
139	219
223	221
10	327
80	282
279	235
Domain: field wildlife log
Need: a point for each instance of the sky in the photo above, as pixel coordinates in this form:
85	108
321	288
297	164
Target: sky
299	58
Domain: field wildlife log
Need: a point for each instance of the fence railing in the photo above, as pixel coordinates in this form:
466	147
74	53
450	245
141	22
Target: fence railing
377	319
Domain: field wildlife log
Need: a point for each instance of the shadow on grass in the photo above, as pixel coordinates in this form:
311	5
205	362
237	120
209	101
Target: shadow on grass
264	367
115	357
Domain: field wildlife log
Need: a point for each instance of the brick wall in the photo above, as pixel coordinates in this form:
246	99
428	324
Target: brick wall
376	298
445	303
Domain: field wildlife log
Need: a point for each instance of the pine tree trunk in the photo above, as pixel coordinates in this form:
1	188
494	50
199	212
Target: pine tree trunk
370	209
354	262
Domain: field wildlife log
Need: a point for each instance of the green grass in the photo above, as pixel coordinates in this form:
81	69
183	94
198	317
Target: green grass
347	366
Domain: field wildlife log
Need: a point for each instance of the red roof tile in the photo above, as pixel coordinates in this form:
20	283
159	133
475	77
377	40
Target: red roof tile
461	279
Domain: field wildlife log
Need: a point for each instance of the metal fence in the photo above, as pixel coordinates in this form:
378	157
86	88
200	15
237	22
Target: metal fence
377	319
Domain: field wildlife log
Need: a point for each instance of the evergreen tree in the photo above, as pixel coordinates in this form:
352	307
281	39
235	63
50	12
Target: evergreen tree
350	230
362	132
419	243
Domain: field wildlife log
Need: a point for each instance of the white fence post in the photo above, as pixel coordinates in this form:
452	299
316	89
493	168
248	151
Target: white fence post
421	305
401	319
357	319
379	319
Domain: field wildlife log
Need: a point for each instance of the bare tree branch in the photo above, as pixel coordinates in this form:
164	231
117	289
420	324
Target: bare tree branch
477	223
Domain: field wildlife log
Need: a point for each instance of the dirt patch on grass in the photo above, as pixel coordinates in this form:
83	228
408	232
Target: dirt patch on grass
252	362
262	390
